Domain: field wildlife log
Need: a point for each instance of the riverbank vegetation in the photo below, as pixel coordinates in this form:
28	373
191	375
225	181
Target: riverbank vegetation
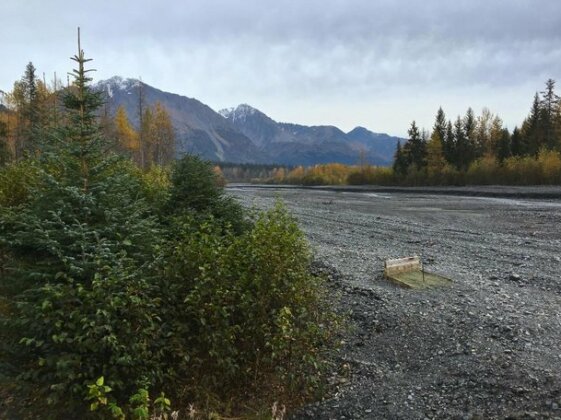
131	287
471	150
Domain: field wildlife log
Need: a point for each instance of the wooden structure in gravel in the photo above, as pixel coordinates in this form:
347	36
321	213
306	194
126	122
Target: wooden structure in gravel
410	274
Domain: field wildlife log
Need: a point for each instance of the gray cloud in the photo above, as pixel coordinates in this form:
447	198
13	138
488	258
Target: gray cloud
307	60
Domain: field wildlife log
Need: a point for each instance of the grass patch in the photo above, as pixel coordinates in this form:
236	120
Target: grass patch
419	280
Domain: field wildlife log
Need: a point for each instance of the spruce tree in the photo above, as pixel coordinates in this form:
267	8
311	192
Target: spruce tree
470	130
549	106
516	145
417	146
29	82
504	149
436	146
196	190
25	99
532	129
30	111
78	278
449	144
462	149
400	161
440	124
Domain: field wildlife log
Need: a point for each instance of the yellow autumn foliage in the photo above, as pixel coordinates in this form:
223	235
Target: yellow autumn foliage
125	132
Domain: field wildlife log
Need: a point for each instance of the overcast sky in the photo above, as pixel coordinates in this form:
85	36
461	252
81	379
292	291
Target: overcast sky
374	63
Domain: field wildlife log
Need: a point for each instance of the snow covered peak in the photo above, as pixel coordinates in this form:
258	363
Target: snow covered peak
227	112
241	112
116	83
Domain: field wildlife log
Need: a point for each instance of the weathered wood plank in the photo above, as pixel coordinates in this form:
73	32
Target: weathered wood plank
402	265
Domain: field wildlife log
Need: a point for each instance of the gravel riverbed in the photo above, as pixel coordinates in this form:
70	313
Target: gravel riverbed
489	346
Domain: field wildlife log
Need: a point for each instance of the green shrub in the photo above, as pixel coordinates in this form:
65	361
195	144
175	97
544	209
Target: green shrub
16	182
372	175
451	176
415	176
550	165
243	310
155	184
484	171
193	185
196	188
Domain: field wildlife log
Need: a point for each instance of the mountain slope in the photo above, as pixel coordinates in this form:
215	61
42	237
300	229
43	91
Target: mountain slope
200	130
307	145
379	144
246	135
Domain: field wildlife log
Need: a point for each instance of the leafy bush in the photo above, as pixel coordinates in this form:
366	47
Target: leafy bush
450	176
243	310
484	171
550	164
372	175
16	182
155	184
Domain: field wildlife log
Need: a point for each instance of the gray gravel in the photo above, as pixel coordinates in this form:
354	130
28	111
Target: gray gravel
489	346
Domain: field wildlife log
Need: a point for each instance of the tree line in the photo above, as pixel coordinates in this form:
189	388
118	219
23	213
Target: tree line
33	108
468	150
251	172
470	144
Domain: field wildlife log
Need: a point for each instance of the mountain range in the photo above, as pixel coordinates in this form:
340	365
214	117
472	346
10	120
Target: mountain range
246	135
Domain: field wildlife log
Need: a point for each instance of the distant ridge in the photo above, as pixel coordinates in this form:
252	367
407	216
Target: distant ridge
200	130
244	134
296	144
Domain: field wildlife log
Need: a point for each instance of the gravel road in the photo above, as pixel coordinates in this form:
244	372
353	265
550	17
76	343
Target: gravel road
489	346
